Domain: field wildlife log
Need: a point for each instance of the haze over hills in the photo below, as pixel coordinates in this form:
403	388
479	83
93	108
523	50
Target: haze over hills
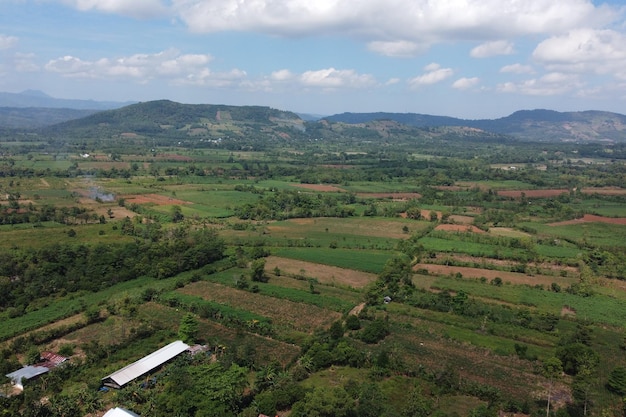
167	117
36	98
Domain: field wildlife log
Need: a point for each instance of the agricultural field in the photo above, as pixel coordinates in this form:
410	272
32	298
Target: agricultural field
314	272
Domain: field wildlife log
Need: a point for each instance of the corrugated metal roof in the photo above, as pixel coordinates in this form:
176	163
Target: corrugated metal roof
120	412
27	372
147	363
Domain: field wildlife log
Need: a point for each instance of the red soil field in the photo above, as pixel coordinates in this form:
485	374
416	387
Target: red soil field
589	218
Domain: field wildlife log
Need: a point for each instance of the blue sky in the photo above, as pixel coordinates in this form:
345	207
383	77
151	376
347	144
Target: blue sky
463	58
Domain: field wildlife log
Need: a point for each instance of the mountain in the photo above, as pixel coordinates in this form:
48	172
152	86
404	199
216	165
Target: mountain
36	98
35	109
534	125
35	117
168	119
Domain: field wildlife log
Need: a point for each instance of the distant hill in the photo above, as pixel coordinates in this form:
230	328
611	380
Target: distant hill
164	118
34	117
36	98
171	120
34	109
536	125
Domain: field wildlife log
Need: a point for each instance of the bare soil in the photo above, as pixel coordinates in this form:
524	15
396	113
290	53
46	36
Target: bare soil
591	218
298	316
469	272
323	273
459	228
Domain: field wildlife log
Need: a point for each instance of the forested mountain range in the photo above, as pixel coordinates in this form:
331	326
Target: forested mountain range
176	120
540	125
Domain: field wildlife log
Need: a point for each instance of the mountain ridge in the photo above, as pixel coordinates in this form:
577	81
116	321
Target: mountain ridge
162	117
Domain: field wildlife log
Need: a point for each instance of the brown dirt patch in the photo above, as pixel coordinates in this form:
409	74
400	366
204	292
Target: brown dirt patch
458	219
469	272
604	191
591	218
320	187
459	228
392	196
157	199
298	316
323	273
533	193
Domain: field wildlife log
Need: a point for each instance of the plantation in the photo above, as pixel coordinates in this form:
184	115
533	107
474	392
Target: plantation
378	279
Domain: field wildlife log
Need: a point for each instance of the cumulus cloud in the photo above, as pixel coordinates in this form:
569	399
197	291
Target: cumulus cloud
584	50
141	67
333	78
554	83
394	27
142	9
434	74
7	42
465	83
397	48
493	48
282	75
517	69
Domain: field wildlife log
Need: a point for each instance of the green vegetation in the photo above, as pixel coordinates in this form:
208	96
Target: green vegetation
330	269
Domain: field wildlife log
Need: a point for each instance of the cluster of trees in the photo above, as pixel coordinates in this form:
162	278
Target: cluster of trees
30	274
292	204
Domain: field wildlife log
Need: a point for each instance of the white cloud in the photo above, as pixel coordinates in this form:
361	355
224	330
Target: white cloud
333	78
434	74
550	84
585	51
7	42
517	69
142	9
397	48
395	27
465	83
282	75
492	48
141	67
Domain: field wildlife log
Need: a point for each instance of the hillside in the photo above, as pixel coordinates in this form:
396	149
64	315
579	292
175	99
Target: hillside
164	118
533	125
35	117
35	98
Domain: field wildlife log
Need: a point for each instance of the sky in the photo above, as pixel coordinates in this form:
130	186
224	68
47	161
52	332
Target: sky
472	59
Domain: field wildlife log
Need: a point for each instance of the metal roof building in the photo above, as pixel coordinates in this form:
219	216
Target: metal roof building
144	365
25	373
119	412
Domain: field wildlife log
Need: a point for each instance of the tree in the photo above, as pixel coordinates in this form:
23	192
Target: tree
552	370
257	271
417	405
188	329
617	381
325	402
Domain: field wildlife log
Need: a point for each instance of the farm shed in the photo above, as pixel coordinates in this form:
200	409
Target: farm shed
26	373
119	412
144	365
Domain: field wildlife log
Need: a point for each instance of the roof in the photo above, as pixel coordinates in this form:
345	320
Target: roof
119	412
146	364
52	360
53	357
27	372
